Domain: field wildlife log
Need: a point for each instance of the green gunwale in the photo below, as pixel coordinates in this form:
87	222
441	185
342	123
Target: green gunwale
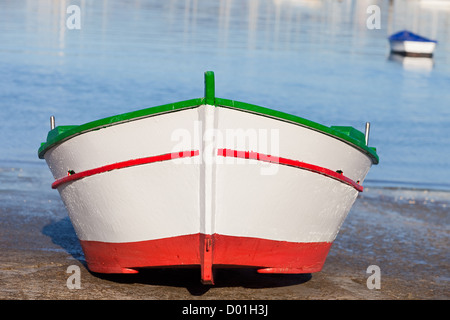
62	133
347	134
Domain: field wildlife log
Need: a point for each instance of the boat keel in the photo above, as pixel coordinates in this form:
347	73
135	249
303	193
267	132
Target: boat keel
208	252
206	260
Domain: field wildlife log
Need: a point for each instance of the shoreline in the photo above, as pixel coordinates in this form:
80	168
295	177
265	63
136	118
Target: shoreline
405	233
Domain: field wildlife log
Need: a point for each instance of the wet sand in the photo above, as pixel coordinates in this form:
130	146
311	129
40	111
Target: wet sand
404	232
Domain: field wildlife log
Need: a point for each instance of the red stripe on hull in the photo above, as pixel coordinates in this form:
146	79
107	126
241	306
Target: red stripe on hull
289	162
206	251
125	164
221	152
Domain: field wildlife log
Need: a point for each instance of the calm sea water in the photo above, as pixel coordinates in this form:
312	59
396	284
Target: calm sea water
315	59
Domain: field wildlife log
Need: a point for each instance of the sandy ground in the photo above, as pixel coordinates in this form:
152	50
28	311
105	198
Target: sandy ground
405	233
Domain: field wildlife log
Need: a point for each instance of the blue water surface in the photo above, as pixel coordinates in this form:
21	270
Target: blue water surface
316	59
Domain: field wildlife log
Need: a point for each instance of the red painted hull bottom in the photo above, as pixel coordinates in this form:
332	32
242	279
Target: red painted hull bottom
206	251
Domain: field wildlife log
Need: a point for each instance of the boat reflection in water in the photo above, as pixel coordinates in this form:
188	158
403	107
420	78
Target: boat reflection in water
412	63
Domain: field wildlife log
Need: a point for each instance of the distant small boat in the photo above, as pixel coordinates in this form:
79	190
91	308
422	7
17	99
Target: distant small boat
410	44
435	4
207	182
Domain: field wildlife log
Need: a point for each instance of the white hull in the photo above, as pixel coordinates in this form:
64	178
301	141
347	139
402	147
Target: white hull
413	47
208	195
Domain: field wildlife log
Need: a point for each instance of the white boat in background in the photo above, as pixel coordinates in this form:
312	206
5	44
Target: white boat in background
435	4
411	44
207	183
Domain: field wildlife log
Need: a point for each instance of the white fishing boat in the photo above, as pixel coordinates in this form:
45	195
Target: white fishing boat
411	44
209	183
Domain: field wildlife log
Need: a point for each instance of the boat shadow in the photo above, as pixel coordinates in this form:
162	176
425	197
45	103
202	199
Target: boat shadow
63	234
189	278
